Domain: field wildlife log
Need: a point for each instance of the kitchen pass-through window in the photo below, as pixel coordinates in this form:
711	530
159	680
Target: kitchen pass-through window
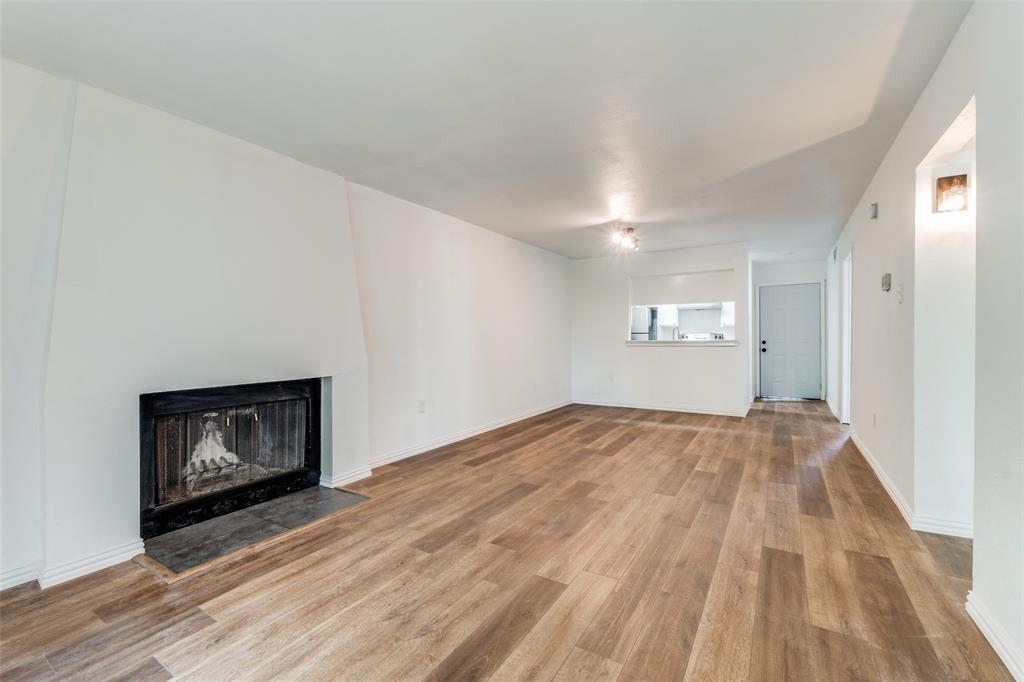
682	308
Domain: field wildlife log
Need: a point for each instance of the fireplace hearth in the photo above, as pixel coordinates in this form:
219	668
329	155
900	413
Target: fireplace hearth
208	452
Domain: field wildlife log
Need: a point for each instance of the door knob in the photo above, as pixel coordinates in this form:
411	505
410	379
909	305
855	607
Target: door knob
764	350
763	342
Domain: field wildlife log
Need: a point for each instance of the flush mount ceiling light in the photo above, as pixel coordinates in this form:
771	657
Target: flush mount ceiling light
626	238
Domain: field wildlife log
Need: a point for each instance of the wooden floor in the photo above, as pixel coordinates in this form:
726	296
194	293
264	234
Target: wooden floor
589	543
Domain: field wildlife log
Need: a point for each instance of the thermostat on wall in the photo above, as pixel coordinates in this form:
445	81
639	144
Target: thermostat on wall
887	281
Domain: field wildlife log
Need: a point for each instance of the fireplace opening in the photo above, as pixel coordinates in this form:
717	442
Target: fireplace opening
208	452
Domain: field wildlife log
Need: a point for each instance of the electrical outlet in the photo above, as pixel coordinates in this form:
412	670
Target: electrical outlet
422	406
874	420
611	376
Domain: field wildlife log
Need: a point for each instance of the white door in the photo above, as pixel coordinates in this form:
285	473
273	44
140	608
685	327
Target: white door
790	342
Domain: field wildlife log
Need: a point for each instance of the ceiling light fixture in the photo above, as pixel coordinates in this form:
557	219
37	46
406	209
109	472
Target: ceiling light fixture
626	238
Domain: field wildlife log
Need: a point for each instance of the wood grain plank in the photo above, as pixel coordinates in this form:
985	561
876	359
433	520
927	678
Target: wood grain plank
583	665
486	648
812	492
542	652
892	622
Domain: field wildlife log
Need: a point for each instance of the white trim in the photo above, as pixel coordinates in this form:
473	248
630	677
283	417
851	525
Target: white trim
823	330
925	524
833	410
666	408
932	524
728	344
345	477
18	576
887	483
845	341
387	458
997	636
73	569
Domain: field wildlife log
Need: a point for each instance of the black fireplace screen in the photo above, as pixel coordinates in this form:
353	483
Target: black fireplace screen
209	450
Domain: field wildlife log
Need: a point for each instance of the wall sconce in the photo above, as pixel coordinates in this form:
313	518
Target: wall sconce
951	194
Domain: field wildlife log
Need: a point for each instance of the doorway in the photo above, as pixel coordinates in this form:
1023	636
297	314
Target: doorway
790	341
944	304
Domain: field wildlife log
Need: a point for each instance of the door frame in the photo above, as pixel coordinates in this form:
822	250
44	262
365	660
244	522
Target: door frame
823	370
846	338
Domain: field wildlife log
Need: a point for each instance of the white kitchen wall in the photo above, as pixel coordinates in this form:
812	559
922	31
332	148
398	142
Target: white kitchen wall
37	115
984	60
608	371
465	328
186	258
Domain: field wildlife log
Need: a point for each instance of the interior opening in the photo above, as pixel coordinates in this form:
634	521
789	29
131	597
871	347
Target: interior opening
944	326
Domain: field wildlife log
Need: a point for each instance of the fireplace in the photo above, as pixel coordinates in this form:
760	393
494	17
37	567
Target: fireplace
210	451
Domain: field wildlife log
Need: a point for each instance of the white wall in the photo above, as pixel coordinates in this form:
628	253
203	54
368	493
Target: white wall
37	118
992	35
944	335
788	273
769	274
606	370
474	324
985	60
187	258
174	257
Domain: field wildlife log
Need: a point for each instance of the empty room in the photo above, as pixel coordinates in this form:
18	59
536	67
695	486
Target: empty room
512	340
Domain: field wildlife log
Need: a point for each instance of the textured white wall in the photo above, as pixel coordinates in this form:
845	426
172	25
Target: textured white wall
473	323
37	115
993	34
985	60
608	371
186	258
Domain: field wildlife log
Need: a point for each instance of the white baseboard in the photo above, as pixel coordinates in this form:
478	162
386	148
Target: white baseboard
18	576
1005	648
55	575
887	483
345	477
932	524
925	524
665	407
381	460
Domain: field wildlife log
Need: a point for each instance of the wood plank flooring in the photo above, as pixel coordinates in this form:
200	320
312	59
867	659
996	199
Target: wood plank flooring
588	543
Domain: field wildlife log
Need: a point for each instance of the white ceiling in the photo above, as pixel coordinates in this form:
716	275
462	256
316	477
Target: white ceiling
707	122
